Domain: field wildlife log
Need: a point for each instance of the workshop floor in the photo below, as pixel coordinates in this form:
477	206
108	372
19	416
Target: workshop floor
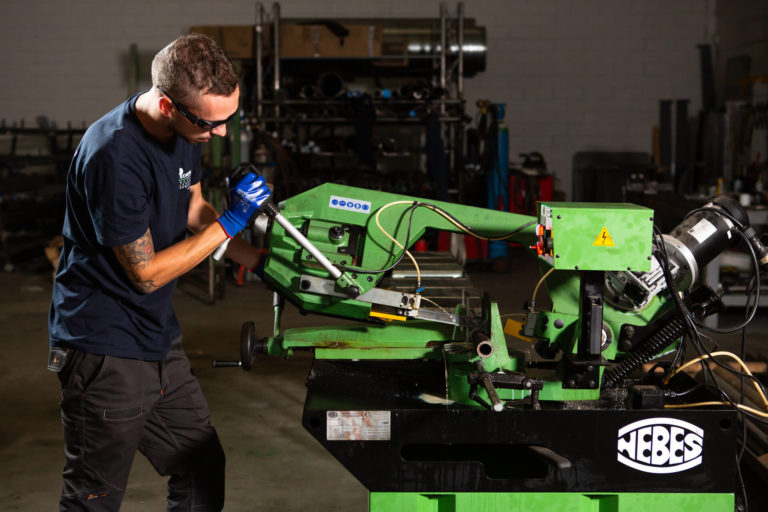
272	463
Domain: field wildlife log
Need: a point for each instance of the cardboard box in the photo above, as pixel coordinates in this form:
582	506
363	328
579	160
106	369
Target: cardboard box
212	31
318	41
237	41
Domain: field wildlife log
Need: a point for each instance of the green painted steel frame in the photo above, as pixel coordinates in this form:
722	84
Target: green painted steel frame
549	502
578	227
286	261
314	211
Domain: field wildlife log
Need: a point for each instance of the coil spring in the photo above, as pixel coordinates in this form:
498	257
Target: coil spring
643	353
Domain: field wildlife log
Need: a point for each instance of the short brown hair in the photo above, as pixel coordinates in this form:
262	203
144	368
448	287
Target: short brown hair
193	65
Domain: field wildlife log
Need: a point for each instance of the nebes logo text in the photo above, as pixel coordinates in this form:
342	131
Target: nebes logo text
660	445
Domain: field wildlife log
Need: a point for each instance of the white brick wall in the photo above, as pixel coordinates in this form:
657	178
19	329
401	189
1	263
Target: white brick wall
575	74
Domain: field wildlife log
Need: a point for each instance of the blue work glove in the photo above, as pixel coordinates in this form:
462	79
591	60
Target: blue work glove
246	197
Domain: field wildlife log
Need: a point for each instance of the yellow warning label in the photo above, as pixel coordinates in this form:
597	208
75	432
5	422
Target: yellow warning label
604	239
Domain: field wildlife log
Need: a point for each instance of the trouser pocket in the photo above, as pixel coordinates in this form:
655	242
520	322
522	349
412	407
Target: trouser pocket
104	412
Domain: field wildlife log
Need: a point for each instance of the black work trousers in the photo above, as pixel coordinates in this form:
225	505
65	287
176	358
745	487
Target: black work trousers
112	407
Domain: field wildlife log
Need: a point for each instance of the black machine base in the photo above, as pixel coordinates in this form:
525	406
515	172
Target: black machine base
432	447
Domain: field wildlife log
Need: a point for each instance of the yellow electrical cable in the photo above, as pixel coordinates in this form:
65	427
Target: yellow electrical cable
407	252
533	298
704	404
538	285
462	228
436	305
444	215
721	353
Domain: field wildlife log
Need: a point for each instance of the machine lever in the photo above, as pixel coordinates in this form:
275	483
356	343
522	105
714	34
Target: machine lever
505	380
220	250
484	378
496	403
551	457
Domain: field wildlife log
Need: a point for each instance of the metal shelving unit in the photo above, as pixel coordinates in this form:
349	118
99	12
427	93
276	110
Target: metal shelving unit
280	113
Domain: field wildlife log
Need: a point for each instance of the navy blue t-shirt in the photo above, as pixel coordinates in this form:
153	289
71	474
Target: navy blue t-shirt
121	182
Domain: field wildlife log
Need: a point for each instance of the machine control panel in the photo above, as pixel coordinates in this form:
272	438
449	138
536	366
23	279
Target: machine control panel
595	236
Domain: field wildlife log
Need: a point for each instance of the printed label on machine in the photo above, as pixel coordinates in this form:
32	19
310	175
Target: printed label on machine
660	445
546	216
604	239
702	230
358	425
352	205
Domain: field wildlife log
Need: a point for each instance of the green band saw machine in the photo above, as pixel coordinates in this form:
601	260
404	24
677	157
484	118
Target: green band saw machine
436	408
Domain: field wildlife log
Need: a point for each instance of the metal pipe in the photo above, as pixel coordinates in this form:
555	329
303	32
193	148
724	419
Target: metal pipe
211	281
483	344
460	81
277	306
485	349
234	138
443	40
259	53
450	147
276	58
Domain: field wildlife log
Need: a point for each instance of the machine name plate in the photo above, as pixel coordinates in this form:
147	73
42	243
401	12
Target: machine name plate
358	425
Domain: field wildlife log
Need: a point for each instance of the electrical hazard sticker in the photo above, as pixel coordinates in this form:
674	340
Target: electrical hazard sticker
604	239
358	425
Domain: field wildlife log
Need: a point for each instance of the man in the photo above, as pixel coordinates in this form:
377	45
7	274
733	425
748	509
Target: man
133	190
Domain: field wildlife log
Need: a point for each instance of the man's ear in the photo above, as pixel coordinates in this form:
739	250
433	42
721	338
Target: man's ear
165	106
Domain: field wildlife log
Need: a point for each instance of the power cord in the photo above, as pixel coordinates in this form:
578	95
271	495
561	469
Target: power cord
694	338
404	246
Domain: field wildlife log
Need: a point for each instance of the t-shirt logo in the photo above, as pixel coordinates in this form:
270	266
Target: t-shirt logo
185	179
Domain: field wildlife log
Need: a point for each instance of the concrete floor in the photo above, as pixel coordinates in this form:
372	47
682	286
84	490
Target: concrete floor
272	463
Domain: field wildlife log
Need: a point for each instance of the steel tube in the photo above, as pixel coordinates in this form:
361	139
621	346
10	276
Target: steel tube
259	52
460	77
276	59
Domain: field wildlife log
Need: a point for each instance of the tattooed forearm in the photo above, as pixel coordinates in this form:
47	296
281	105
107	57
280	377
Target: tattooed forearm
145	286
135	257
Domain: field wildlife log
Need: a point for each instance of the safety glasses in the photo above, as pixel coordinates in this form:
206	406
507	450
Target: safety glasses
192	118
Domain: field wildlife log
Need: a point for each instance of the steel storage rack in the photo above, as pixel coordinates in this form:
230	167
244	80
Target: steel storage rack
384	107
